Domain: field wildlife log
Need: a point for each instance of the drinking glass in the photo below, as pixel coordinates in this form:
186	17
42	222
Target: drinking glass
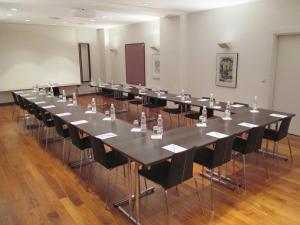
136	123
155	129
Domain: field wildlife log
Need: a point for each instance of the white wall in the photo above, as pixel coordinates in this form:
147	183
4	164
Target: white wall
116	38
250	28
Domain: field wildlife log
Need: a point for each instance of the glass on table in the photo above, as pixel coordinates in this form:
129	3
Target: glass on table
89	106
136	123
60	97
155	129
107	113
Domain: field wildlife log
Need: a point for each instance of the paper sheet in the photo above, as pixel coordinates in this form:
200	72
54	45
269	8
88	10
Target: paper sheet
41	102
278	115
245	124
64	114
31	98
201	125
156	136
254	111
226	118
136	129
203	100
24	95
89	112
48	106
19	92
79	122
107	119
216	134
106	136
174	148
237	105
217	107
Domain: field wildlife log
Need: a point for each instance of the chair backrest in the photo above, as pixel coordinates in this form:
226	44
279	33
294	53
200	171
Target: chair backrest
37	111
99	151
222	151
59	125
15	98
240	103
21	102
45	116
284	128
181	167
74	134
255	137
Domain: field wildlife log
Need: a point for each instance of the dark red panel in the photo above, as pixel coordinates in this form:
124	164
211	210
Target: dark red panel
135	63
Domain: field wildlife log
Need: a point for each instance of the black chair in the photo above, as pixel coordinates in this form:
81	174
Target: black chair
278	135
16	102
48	124
37	111
63	131
213	158
240	103
82	143
195	115
246	146
109	160
30	115
168	174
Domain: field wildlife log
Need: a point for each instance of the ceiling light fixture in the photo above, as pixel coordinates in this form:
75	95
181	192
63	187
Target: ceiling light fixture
14	9
146	4
27	20
9	14
104	17
92	20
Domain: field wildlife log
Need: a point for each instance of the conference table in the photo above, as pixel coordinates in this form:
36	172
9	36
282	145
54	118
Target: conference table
139	147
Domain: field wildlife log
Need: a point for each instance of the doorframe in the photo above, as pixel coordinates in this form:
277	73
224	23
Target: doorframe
80	62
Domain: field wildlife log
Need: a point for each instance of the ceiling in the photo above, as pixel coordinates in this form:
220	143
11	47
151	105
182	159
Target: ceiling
101	13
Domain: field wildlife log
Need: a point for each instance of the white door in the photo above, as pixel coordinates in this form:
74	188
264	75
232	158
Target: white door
287	81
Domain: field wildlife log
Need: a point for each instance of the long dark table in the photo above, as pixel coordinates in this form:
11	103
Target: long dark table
139	147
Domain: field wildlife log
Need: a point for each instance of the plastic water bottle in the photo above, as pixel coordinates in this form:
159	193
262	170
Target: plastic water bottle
140	86
93	104
160	128
51	91
112	83
112	112
64	96
182	95
74	99
143	122
254	107
211	100
228	110
204	115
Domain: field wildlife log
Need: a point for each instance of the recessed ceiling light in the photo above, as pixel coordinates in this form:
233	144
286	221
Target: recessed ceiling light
27	20
9	14
104	17
14	9
65	22
146	4
92	20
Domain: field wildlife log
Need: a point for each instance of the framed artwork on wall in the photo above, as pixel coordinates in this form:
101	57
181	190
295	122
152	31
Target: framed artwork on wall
227	67
156	66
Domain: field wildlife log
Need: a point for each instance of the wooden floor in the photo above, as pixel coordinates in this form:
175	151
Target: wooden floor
35	188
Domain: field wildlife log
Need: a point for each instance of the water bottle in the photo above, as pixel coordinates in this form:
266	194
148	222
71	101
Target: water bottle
160	128
211	100
112	112
204	115
112	83
140	86
93	104
228	110
64	96
74	99
143	122
254	107
51	91
182	95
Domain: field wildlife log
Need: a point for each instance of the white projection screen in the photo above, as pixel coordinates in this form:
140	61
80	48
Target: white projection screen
32	54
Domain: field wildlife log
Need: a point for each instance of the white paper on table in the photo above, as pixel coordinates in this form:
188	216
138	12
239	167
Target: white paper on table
49	96
217	107
70	104
203	100
254	111
79	122
178	96
60	100
216	134
156	136
278	115
237	105
35	91
31	98
201	125
187	101
136	129
41	102
19	92
174	148
64	114
24	95
226	118
106	136
101	86
107	118
48	106
163	96
245	124
89	112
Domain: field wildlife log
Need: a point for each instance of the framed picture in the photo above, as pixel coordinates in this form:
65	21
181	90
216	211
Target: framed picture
155	66
227	65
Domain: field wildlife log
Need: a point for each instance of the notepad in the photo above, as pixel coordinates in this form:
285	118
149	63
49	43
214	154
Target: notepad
41	102
254	111
70	104
187	101
278	115
226	118
106	136
201	125
217	107
163	96
31	98
203	100
178	96
49	96
237	105
48	106
60	100
79	122
156	136
136	130
216	134
250	125
64	114
106	119
24	95
174	148
19	92
89	112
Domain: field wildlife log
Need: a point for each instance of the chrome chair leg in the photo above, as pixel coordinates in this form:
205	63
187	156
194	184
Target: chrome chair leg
124	171
89	177
198	194
211	189
47	131
244	162
266	164
290	148
107	190
145	182
167	205
63	151
81	159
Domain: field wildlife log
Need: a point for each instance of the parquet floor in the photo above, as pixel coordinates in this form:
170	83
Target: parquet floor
36	189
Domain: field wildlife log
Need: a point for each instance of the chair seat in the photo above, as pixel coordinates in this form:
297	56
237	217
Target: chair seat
172	110
271	135
49	123
204	156
151	106
65	133
193	116
239	145
123	98
136	102
158	173
84	143
115	159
